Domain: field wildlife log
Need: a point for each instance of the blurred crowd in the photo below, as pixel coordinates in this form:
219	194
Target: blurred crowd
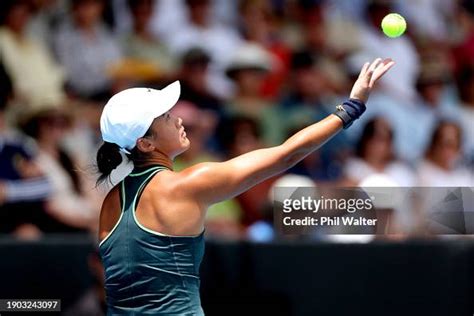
252	73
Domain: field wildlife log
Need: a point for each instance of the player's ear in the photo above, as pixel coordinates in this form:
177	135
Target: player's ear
145	145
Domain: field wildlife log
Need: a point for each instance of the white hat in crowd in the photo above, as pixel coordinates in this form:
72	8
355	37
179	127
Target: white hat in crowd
250	56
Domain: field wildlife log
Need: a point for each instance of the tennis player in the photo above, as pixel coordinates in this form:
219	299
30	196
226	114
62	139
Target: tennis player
152	222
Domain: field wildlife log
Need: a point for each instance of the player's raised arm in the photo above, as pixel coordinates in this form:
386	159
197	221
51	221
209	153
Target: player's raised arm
210	183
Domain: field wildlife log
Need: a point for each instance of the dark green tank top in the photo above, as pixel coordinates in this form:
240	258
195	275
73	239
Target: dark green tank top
147	272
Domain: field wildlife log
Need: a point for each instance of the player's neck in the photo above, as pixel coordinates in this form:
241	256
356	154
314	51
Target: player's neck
157	158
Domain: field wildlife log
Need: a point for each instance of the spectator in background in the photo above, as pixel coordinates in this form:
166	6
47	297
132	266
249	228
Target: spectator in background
307	102
465	84
432	82
304	100
464	50
200	31
142	50
463	54
375	155
37	79
401	82
86	49
46	17
73	203
342	8
169	16
442	166
318	38
406	119
216	39
248	69
433	24
239	135
192	75
259	26
83	136
342	25
433	101
23	188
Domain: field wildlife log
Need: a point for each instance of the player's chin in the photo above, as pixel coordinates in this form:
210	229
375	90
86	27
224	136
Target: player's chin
185	143
183	146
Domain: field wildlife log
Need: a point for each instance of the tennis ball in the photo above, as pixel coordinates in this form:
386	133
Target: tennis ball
394	25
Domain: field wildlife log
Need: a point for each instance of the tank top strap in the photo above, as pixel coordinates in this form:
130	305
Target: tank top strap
133	185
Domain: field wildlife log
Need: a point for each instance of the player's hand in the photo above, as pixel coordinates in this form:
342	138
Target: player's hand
370	73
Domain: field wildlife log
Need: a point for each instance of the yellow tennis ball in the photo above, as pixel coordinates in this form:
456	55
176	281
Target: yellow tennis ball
394	25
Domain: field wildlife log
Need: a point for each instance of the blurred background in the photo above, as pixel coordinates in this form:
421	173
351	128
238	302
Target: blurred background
252	73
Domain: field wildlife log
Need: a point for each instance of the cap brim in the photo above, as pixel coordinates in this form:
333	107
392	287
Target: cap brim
169	96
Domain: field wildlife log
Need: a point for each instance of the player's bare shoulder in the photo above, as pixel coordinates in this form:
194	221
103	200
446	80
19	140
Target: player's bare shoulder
178	184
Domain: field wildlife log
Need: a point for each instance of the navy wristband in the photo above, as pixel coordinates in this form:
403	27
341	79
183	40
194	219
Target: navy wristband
350	111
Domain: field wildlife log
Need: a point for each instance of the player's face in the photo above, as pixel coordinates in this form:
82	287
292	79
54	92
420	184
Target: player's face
169	135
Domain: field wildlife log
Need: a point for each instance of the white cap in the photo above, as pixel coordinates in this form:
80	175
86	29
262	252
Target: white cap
250	56
128	114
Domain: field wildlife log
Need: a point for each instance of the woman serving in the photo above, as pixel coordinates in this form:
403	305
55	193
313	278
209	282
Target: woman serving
152	222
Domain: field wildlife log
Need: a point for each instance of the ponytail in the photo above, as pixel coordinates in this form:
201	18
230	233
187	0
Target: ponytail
108	158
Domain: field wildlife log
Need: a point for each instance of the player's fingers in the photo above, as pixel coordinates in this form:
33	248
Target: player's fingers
370	70
364	69
381	70
374	65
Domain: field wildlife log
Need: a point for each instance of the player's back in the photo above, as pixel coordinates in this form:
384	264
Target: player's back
147	272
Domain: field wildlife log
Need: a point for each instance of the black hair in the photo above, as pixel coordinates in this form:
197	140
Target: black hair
468	5
6	87
307	5
303	59
369	131
190	3
76	3
437	132
6	6
133	4
109	158
195	56
463	80
229	128
31	125
378	5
